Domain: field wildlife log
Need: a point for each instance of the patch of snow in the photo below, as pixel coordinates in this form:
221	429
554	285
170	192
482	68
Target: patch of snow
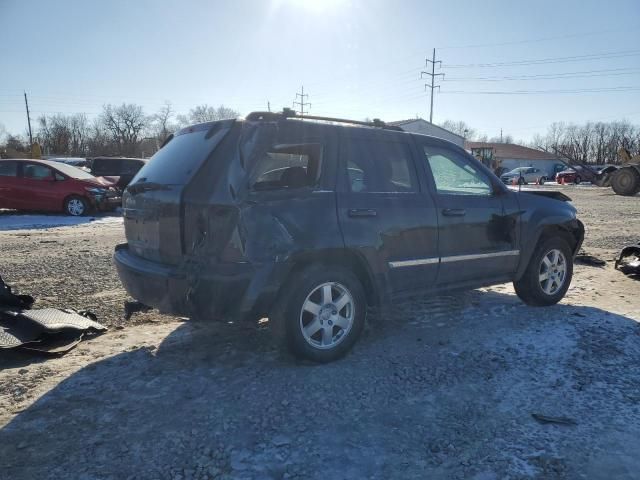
30	222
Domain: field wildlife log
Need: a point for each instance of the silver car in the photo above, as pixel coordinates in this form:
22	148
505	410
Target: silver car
523	175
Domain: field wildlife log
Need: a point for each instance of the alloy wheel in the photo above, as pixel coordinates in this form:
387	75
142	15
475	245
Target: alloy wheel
553	272
327	315
75	207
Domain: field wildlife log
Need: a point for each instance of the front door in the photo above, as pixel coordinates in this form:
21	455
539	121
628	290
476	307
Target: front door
477	239
384	213
9	197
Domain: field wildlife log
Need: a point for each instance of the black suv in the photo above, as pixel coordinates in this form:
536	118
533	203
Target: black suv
310	222
121	170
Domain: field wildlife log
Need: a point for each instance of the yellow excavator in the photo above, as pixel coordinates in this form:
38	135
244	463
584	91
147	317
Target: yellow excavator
626	179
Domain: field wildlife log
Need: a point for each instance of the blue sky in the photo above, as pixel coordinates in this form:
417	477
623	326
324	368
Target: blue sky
356	58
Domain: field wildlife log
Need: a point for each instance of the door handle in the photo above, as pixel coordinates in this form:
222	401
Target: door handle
362	212
454	212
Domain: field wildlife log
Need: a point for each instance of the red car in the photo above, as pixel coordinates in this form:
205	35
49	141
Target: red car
53	186
575	174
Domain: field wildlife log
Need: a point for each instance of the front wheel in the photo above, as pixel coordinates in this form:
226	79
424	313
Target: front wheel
577	180
542	180
548	275
323	314
76	206
626	181
521	181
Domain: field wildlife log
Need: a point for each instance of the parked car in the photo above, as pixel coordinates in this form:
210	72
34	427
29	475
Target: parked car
522	175
74	162
119	170
311	222
53	186
575	174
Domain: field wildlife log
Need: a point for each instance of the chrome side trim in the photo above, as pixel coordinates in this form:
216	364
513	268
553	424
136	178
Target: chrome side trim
478	256
414	263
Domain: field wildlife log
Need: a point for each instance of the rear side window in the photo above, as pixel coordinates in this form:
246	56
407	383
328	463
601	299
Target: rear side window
36	172
8	169
287	167
377	166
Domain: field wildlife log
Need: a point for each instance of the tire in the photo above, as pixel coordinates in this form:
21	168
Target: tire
76	206
315	328
542	180
577	180
538	292
521	181
626	181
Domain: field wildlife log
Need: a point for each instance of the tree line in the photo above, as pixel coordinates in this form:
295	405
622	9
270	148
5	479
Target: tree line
119	130
591	142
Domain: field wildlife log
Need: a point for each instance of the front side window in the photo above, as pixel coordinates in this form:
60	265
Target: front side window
455	175
37	172
375	166
287	166
8	169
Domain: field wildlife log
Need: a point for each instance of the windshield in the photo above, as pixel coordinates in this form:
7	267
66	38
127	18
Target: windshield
73	172
178	160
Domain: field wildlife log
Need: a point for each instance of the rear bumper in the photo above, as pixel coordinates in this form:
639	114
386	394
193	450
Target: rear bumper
232	291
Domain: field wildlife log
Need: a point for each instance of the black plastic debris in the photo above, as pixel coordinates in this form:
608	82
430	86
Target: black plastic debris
628	262
48	330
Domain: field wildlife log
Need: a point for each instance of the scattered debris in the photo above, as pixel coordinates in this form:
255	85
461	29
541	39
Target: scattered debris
559	420
586	259
48	330
628	262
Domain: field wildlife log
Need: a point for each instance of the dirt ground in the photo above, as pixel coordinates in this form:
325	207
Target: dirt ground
445	388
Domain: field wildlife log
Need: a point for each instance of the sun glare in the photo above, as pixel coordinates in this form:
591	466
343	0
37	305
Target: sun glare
315	6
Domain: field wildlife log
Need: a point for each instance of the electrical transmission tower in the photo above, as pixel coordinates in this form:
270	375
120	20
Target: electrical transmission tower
301	103
433	76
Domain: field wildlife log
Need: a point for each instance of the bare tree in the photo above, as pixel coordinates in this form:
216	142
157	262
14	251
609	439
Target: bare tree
206	113
124	124
460	128
161	123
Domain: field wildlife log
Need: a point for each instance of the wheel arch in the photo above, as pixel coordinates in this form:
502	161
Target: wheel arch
572	232
339	257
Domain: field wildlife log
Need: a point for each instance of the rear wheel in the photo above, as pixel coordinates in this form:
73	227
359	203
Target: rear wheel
323	314
548	275
542	180
577	180
626	181
76	206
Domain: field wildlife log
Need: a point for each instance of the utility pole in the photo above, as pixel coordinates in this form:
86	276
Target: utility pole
268	106
302	103
26	104
433	76
501	135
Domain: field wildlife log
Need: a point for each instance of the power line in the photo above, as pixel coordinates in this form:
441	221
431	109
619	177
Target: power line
538	92
535	40
433	76
302	103
542	61
552	76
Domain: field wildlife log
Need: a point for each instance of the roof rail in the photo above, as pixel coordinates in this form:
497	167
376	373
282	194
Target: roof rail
289	113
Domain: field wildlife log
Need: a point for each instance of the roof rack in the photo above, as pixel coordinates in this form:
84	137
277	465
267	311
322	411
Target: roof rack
289	113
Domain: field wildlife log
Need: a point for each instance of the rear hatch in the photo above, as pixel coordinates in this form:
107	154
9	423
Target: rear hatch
153	200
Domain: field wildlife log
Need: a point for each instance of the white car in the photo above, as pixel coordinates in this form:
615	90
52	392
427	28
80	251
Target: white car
523	175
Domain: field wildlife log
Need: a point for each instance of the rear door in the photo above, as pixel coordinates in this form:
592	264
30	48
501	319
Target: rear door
477	239
385	214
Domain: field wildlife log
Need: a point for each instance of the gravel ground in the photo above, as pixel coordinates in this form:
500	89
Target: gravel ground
444	388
